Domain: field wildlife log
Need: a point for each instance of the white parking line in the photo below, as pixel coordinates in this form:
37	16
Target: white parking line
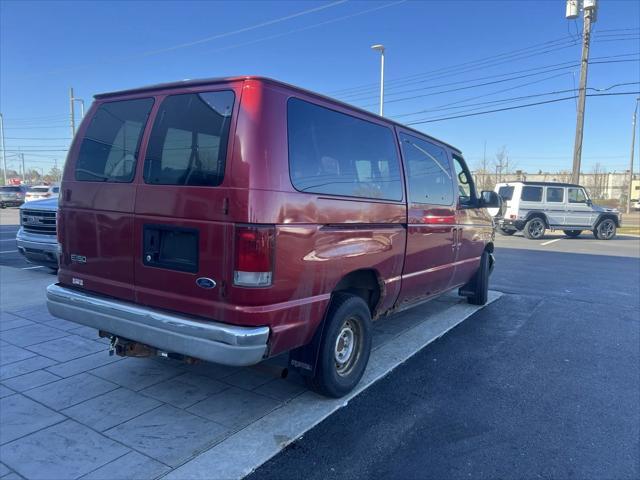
30	268
8	251
8	240
551	241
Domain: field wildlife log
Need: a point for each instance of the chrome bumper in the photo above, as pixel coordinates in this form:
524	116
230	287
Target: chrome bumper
207	340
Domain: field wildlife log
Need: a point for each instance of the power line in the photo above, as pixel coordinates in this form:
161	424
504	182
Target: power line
455	66
490	61
37	138
563	65
418	122
308	27
413	97
200	41
522	97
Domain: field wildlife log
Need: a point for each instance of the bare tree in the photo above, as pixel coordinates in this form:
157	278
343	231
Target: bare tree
598	183
501	163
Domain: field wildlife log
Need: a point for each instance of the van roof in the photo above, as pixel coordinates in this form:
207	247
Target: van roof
542	184
212	81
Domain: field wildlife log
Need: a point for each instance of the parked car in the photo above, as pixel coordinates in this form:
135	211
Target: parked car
40	192
534	207
36	238
11	196
635	205
236	219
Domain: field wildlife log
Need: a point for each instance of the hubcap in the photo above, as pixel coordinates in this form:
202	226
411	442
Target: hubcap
606	229
536	228
347	346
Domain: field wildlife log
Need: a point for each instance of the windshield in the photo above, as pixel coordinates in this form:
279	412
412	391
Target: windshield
39	190
10	189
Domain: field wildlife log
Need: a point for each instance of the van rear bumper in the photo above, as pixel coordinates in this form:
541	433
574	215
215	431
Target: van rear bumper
211	341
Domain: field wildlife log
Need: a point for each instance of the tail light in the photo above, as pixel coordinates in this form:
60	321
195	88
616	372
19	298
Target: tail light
254	256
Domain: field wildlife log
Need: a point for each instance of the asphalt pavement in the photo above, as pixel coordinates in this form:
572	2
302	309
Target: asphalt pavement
543	383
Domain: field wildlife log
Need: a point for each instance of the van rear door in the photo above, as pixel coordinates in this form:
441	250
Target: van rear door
182	234
95	219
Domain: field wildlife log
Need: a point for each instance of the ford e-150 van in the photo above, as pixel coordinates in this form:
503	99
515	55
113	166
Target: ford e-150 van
235	219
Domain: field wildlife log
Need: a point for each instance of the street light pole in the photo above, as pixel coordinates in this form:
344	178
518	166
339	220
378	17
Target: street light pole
380	48
633	143
4	158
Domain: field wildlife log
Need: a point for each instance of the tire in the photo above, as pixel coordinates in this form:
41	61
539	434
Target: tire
340	368
534	228
572	233
505	232
605	230
480	282
3	206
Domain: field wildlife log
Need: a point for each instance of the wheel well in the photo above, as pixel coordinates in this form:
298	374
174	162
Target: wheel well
538	215
604	216
363	283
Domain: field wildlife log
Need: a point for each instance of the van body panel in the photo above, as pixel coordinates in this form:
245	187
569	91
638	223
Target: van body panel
414	250
96	227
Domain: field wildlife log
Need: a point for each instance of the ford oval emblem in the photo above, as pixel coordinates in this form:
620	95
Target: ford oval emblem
204	282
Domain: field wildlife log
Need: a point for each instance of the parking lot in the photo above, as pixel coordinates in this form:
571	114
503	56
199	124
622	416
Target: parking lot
544	378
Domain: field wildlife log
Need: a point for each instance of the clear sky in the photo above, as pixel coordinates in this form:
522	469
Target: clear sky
431	47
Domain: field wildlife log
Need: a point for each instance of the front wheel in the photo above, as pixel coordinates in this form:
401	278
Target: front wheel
344	348
572	233
605	230
534	229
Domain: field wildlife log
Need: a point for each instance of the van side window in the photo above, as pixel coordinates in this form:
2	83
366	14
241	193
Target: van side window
466	188
429	176
555	194
531	194
577	195
188	143
337	154
109	149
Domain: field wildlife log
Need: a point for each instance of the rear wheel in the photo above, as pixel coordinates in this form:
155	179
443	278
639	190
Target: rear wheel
344	348
480	282
605	230
534	228
572	233
505	231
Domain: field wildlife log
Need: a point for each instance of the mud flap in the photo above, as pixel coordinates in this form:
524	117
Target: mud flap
304	359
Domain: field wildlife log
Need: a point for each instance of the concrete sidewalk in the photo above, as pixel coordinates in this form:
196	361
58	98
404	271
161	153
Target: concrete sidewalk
69	410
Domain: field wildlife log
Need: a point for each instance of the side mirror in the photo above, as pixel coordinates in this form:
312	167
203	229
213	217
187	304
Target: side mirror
489	199
589	202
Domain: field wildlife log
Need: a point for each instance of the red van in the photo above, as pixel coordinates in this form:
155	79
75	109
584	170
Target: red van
235	219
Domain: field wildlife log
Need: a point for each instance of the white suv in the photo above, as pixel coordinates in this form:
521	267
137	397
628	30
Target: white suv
533	207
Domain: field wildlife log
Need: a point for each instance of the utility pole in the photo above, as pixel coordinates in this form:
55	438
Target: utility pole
589	7
24	171
73	119
633	143
4	158
484	166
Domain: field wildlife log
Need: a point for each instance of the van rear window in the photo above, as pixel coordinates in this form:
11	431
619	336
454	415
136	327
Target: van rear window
337	154
109	149
188	144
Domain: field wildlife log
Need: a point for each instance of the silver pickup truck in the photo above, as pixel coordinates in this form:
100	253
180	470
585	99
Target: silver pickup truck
36	237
